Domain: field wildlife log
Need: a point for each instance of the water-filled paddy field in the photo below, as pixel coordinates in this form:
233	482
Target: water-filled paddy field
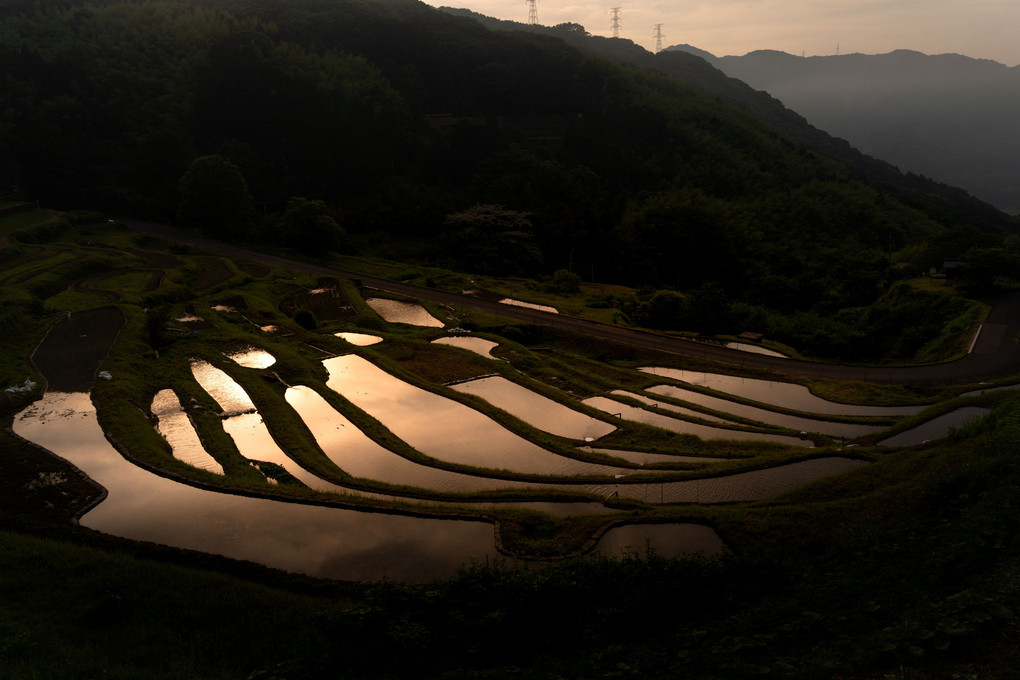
445	464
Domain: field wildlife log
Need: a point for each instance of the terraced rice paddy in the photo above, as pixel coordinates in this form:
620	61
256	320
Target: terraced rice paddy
535	409
410	313
479	346
668	422
936	428
321	541
789	395
246	427
445	429
176	428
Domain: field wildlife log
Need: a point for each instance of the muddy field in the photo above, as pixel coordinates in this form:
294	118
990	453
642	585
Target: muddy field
91	334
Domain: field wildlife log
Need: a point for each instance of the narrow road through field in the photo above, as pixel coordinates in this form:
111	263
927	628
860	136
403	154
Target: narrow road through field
995	352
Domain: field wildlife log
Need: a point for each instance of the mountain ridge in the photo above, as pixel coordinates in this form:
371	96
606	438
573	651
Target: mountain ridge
946	116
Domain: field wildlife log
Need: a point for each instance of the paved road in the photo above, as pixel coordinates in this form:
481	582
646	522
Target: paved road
995	353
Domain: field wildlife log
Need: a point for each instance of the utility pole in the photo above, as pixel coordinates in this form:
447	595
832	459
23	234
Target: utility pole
532	12
658	37
616	21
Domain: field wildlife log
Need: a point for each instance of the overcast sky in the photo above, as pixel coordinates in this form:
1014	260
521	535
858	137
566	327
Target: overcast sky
984	29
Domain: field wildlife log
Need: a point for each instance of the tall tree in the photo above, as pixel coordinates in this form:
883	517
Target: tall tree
214	198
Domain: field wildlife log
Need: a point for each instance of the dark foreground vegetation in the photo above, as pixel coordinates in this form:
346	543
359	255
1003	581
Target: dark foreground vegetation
392	128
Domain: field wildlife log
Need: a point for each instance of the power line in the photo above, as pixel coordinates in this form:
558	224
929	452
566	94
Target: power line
532	12
616	21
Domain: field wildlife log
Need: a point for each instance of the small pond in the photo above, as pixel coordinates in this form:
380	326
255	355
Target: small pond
477	345
176	428
783	394
359	339
396	311
252	358
936	428
535	409
529	305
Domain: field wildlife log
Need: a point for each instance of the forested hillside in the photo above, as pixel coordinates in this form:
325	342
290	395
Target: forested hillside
504	152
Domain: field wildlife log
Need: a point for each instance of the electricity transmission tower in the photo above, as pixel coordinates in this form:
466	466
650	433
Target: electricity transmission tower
658	37
532	12
616	21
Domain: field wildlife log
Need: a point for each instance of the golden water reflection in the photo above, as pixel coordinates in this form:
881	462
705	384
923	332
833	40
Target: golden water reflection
788	395
359	339
535	409
477	345
672	424
176	428
396	311
848	430
252	358
359	456
320	541
443	428
246	427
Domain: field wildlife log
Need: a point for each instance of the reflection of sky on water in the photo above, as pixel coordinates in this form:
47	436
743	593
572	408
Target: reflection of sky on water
788	395
761	415
176	428
221	387
248	430
936	428
681	410
443	428
320	541
755	485
476	345
359	339
253	358
535	409
396	311
530	305
359	456
641	457
672	424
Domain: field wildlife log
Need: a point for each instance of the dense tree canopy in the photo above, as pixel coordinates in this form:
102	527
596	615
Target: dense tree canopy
653	170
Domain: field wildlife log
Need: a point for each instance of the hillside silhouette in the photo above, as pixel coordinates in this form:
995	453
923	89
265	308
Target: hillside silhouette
947	116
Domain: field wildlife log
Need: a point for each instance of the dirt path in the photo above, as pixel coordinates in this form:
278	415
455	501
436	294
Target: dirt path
995	354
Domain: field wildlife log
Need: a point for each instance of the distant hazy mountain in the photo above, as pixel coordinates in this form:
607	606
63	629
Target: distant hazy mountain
949	117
